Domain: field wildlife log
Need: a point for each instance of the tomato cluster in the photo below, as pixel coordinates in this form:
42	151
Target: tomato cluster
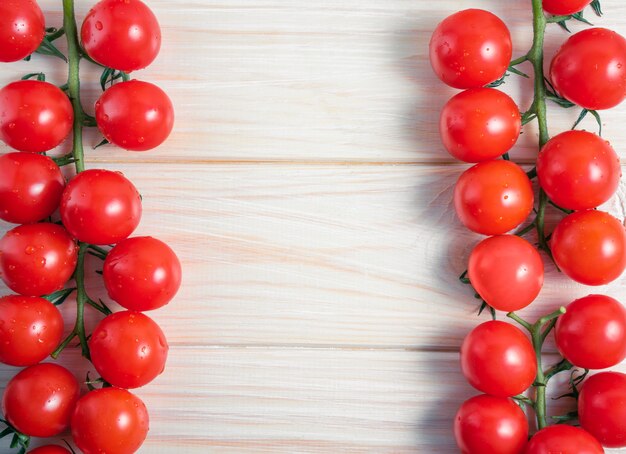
61	222
577	171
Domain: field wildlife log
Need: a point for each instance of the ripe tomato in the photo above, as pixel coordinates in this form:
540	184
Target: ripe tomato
590	69
564	7
506	271
100	207
563	439
142	273
498	359
110	420
37	259
50	449
30	187
40	399
30	329
487	424
470	48
121	34
602	408
135	115
21	30
34	116
128	349
590	247
578	170
479	124
592	333
493	197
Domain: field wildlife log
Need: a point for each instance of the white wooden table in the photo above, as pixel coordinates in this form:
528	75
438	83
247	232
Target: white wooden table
308	196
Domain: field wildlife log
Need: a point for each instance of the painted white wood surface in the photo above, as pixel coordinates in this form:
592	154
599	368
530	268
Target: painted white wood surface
308	196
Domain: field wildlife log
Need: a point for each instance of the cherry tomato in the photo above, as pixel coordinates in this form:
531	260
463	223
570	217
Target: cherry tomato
470	48
30	329
100	207
50	449
128	349
110	420
493	197
590	69
40	399
498	359
121	34
30	187
135	115
37	259
487	424
34	116
506	271
479	124
564	7
578	170
563	439
21	30
142	273
602	408
592	333
590	247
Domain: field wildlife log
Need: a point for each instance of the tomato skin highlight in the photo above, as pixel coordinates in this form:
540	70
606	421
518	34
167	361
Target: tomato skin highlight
602	408
121	34
493	197
21	30
110	420
506	271
479	124
142	274
578	170
100	207
487	424
37	259
498	359
590	69
563	439
40	399
470	49
564	7
50	449
34	116
128	349
590	247
30	329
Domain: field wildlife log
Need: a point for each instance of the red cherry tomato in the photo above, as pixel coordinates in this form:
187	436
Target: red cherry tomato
493	197
135	115
142	273
21	30
592	333
498	359
564	7
487	424
590	69
40	399
37	259
109	420
121	34
479	124
30	187
590	247
578	170
506	271
128	349
602	408
50	449
470	48
100	207
563	439
30	329
34	116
